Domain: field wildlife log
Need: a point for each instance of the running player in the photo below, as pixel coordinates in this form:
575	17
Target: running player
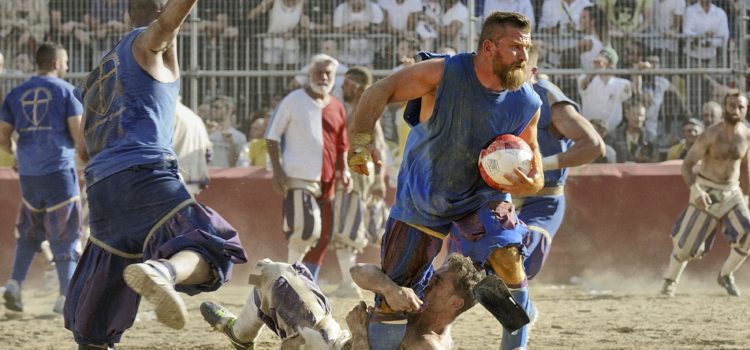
467	100
718	194
139	209
47	117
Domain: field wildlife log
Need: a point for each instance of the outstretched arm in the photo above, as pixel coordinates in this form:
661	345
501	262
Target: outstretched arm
372	278
588	145
156	48
407	84
162	33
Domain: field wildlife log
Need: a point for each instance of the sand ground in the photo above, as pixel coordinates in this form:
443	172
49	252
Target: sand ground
610	313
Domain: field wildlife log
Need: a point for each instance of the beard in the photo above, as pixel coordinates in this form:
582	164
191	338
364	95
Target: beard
732	119
512	76
322	89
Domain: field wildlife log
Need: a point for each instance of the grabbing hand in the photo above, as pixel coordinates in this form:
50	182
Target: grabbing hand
360	153
700	198
523	184
279	182
359	318
403	299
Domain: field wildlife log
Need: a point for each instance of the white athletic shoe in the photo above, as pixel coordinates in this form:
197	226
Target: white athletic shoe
152	280
59	305
669	288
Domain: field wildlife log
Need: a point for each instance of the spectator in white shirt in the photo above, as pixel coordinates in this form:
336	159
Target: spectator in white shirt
397	13
358	17
454	28
602	95
708	24
562	16
668	23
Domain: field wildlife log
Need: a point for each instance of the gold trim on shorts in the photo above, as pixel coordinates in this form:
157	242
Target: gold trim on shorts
50	208
429	232
153	229
542	231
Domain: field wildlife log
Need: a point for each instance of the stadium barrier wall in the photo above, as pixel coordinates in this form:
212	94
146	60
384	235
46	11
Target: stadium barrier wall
618	221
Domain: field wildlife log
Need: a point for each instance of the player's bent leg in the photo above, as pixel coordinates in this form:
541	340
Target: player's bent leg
737	229
302	223
29	236
248	324
99	306
192	252
63	227
349	238
689	235
507	263
407	253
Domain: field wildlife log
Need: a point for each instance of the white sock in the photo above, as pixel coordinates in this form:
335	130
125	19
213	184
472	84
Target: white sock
733	262
247	327
675	268
347	259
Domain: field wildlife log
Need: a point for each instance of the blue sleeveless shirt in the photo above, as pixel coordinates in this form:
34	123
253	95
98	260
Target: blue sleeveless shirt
39	110
548	143
439	179
129	115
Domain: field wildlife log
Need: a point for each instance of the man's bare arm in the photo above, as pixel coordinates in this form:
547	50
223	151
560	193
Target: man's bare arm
372	278
588	145
6	130
407	84
694	155
76	134
745	173
161	33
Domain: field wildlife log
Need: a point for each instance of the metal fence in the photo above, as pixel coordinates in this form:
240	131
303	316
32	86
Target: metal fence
256	51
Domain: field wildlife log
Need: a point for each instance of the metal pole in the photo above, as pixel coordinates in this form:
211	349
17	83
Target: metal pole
194	58
471	45
741	57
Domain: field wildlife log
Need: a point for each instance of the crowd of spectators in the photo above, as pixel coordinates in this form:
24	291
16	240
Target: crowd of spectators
280	35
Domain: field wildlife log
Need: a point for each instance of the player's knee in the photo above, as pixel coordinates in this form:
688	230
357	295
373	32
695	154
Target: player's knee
683	255
507	262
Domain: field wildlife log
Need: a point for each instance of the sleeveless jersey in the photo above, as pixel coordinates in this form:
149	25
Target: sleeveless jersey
439	180
548	143
129	115
39	110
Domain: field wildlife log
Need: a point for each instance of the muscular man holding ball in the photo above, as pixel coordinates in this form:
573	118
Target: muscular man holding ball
467	100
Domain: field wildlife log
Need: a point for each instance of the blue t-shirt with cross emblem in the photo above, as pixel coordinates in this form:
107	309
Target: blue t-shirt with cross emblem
38	110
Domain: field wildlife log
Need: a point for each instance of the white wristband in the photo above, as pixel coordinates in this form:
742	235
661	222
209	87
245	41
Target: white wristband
550	162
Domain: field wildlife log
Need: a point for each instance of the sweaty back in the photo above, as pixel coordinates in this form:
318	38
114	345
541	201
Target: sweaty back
129	115
439	180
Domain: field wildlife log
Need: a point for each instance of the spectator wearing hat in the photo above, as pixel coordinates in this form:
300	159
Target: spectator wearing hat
602	94
691	129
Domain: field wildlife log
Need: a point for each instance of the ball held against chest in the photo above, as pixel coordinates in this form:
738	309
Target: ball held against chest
503	154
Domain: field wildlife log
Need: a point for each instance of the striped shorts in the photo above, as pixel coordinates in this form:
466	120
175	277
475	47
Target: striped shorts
695	230
302	219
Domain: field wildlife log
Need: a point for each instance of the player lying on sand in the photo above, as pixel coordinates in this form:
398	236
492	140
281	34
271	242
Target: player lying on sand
448	294
285	299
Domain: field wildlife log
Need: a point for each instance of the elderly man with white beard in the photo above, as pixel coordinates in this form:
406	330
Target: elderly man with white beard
312	123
